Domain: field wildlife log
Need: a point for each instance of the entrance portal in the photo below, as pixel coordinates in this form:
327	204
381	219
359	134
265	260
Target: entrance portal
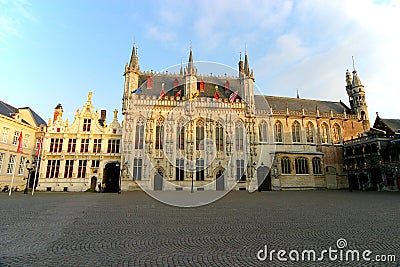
220	181
158	180
263	178
93	183
111	177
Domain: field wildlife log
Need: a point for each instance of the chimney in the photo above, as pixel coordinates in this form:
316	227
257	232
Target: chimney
103	114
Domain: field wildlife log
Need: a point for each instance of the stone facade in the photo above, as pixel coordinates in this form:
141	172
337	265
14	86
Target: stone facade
13	121
186	131
81	155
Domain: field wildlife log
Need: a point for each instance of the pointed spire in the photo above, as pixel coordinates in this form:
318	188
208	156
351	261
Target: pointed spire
241	69
181	69
134	62
190	69
356	81
246	64
298	96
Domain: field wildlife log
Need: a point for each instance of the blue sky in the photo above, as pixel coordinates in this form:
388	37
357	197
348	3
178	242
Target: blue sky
57	51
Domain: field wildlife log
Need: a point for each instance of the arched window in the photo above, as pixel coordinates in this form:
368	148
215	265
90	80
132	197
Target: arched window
239	136
324	133
219	136
200	135
310	132
159	133
317	167
180	135
139	133
285	164
301	165
278	132
296	132
336	134
263	131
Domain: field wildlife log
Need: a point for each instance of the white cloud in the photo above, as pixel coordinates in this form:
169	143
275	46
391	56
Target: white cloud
155	33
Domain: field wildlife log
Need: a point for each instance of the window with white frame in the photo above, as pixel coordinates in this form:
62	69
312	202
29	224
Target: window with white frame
26	140
82	168
240	176
15	138
4	137
21	167
53	168
11	164
69	167
56	145
87	125
96	145
113	146
180	170
2	155
159	134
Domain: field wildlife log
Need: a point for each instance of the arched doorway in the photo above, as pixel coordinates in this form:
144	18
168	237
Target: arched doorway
263	178
93	183
111	177
158	179
353	182
220	180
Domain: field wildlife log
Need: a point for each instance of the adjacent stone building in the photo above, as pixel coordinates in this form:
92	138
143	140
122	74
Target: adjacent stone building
194	131
81	155
373	160
13	121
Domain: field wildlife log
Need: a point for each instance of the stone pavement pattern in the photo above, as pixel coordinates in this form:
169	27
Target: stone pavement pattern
132	229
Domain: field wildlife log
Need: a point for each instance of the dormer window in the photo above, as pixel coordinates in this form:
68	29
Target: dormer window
86	125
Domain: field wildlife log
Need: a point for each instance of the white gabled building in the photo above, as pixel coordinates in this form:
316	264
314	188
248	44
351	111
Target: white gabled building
81	155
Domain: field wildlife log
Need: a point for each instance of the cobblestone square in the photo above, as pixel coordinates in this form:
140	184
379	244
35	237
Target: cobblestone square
132	229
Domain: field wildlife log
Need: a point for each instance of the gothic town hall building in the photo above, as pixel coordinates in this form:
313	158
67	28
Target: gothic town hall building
189	131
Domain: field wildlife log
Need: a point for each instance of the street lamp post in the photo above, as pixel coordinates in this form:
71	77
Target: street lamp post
29	168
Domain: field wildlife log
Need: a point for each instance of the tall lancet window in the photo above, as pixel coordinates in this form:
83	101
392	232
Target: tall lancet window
263	131
310	132
219	137
278	132
139	134
296	132
336	135
159	133
200	135
324	133
239	139
180	136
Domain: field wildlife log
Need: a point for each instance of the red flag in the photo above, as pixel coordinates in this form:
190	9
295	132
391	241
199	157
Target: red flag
19	149
149	82
233	96
162	93
202	86
177	94
39	146
216	95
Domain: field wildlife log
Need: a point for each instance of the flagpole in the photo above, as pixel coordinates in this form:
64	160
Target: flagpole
37	164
